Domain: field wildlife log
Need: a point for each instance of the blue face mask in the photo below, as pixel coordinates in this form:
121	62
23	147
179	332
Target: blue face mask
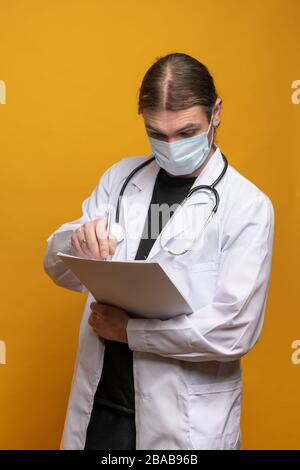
183	156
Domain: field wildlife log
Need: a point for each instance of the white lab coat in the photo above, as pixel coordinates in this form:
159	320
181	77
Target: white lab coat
187	372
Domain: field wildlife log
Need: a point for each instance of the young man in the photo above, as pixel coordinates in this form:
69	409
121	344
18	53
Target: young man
172	384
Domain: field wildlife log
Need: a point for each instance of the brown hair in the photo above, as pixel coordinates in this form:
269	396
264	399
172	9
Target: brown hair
177	81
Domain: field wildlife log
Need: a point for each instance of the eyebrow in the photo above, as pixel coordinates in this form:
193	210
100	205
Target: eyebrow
190	125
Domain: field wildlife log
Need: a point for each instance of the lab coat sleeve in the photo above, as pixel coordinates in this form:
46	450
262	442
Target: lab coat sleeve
230	325
93	207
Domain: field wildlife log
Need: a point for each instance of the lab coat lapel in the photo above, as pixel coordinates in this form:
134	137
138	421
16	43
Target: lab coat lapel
135	204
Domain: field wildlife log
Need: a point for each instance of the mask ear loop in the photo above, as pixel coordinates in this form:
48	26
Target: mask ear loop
213	133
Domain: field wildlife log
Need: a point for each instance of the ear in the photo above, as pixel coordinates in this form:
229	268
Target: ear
217	112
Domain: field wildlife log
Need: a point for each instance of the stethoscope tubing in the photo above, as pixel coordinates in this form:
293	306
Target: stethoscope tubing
191	191
134	171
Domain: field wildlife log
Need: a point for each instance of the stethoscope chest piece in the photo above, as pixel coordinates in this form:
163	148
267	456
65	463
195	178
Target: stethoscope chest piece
117	231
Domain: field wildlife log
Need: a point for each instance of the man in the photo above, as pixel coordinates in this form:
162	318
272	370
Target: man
172	384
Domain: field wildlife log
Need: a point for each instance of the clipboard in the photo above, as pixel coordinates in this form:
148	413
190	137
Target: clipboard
142	288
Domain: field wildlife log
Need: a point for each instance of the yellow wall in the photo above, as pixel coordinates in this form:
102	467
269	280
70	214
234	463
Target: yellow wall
72	70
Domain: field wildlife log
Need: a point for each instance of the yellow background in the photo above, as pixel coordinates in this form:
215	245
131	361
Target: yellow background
72	71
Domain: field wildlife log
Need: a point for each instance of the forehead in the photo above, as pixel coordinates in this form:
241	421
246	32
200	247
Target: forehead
170	120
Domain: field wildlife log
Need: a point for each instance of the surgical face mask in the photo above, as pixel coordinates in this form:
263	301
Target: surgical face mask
183	156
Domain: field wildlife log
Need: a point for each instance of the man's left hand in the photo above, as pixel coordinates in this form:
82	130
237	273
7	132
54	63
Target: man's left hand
109	322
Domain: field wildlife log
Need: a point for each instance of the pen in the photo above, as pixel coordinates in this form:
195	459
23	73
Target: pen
108	221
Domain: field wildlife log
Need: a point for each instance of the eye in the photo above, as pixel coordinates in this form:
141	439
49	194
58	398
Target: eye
186	134
162	137
156	136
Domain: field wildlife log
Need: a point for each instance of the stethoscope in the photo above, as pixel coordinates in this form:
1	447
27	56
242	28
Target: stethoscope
117	230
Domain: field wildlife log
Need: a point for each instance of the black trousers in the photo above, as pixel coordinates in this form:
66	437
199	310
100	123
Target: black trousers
110	429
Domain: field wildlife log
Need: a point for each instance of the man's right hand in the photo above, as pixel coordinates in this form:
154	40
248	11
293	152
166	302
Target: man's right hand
97	245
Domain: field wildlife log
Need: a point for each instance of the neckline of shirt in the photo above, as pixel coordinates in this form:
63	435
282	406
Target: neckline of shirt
175	180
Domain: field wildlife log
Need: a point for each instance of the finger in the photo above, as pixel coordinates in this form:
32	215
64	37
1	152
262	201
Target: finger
94	320
97	307
101	234
92	242
84	233
112	242
93	306
76	245
80	235
91	317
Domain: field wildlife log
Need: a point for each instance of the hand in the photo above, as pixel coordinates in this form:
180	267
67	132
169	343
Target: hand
97	245
109	322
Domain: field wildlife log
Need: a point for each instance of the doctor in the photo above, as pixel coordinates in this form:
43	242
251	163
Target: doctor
176	383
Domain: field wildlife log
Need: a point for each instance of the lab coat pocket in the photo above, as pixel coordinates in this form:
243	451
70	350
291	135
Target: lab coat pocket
214	415
196	267
196	280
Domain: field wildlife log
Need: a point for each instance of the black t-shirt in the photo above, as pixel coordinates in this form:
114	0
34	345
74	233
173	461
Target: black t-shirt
116	386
